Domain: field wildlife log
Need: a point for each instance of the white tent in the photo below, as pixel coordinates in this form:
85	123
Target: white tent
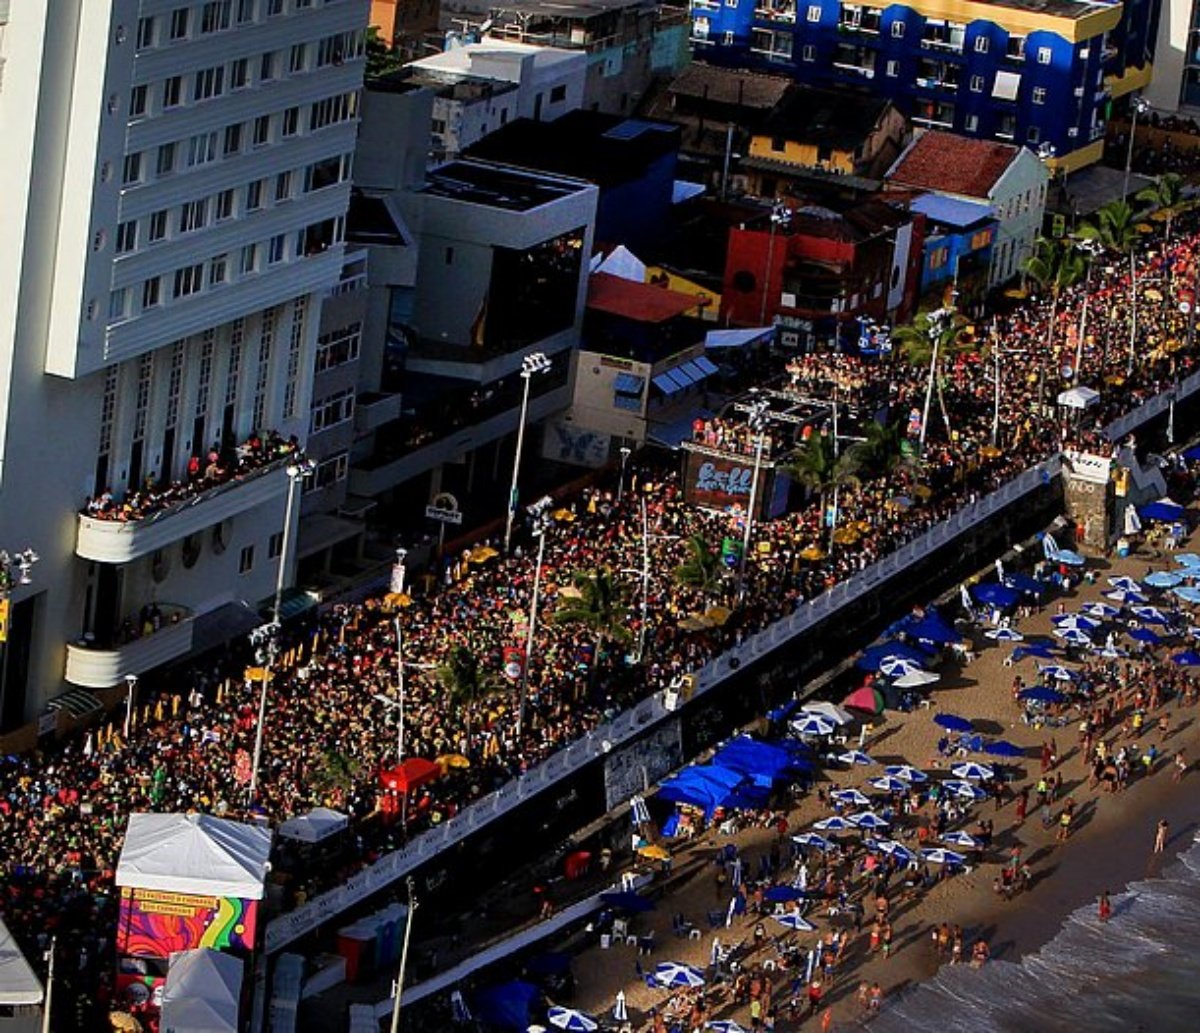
1079	398
18	985
202	993
623	263
318	824
194	853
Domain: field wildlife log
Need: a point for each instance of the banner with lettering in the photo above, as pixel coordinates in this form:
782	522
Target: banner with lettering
723	483
154	923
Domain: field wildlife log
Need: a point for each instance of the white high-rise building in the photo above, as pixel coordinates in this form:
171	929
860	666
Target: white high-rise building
175	180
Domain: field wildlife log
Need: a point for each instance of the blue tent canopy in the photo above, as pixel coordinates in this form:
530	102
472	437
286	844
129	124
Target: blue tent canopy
751	757
1163	510
507	1005
781	713
933	628
992	593
875	655
1024	583
1192	453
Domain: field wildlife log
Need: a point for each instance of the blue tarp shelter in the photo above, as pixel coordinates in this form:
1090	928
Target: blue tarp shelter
933	628
992	593
506	1006
751	757
1024	583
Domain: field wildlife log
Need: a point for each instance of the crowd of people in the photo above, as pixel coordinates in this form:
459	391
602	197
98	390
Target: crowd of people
328	734
219	465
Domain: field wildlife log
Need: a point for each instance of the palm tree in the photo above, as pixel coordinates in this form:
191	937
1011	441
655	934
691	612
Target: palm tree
599	604
816	466
883	449
335	773
702	569
1166	198
926	342
1115	228
466	683
1054	266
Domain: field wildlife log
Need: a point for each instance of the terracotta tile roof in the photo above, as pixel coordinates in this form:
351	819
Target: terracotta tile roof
952	164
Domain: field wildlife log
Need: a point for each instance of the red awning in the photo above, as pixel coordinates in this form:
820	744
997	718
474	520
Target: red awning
406	777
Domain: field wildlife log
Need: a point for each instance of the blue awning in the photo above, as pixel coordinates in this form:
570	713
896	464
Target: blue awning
951	211
667	384
629	384
738	338
707	365
695	370
681	375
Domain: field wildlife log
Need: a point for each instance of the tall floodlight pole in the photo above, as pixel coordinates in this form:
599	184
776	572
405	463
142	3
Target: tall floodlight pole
758	425
535	362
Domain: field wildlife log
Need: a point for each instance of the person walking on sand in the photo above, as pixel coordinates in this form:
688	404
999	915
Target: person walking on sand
1181	766
1105	907
1160	836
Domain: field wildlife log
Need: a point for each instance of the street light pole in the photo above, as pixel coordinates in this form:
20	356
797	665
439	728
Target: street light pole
16	569
535	362
49	985
1090	250
408	924
265	639
296	472
645	581
935	332
401	572
540	512
626	452
758	423
1140	107
131	681
780	216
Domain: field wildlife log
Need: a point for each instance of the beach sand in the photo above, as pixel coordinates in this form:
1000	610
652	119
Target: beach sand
1110	845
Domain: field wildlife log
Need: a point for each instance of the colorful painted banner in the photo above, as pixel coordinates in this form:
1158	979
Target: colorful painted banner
154	923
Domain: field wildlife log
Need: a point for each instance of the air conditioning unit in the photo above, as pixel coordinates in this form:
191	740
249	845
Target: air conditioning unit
1078	91
1085	53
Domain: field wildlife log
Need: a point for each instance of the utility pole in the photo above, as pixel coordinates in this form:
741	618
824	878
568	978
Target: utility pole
408	924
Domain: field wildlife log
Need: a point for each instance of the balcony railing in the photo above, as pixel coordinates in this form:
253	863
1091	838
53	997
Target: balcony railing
91	667
117	541
782	13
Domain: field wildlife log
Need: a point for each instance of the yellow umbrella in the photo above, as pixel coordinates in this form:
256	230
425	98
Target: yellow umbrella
570	592
846	536
990	452
564	516
654	852
693	622
1144	227
1152	294
452	760
812	553
862	526
1016	292
1174	344
482	554
922	491
123	1022
254	673
397	600
718	615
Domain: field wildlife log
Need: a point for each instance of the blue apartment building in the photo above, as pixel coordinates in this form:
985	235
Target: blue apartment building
1028	72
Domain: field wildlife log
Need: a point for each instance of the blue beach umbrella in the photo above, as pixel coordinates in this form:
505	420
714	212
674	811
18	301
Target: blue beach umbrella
892	849
812	725
1073	636
964	789
850	796
1004	635
795	922
889	784
1101	611
952	722
1163	579
1124	583
834	823
854	757
812	839
783	894
899	666
1164	511
571	1020
1122	595
1150	614
1078	621
725	1026
963	839
1187	559
906	772
1143	635
1188	593
676	973
1042	694
970	769
936	855
869	820
1056	672
1188	658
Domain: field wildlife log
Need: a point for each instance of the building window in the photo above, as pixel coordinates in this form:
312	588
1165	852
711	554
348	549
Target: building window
1039	95
189	280
245	11
558	94
225	200
981	44
298	58
127	236
897	30
338	347
814	13
266	67
172	91
938	258
254	196
276	249
214	16
165	164
274	7
233	139
118	304
977	84
132	171
210	82
1033	134
218	270
283	187
275	545
971	123
246	560
330	471
249	260
291	121
202	149
158	226
808	52
893	69
239	74
151	292
179	23
145	33
1043	55
262	130
138	100
332	410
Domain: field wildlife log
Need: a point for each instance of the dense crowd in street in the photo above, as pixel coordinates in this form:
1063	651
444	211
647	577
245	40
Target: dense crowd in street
327	736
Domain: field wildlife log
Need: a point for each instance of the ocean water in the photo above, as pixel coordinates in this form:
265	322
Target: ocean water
1138	972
